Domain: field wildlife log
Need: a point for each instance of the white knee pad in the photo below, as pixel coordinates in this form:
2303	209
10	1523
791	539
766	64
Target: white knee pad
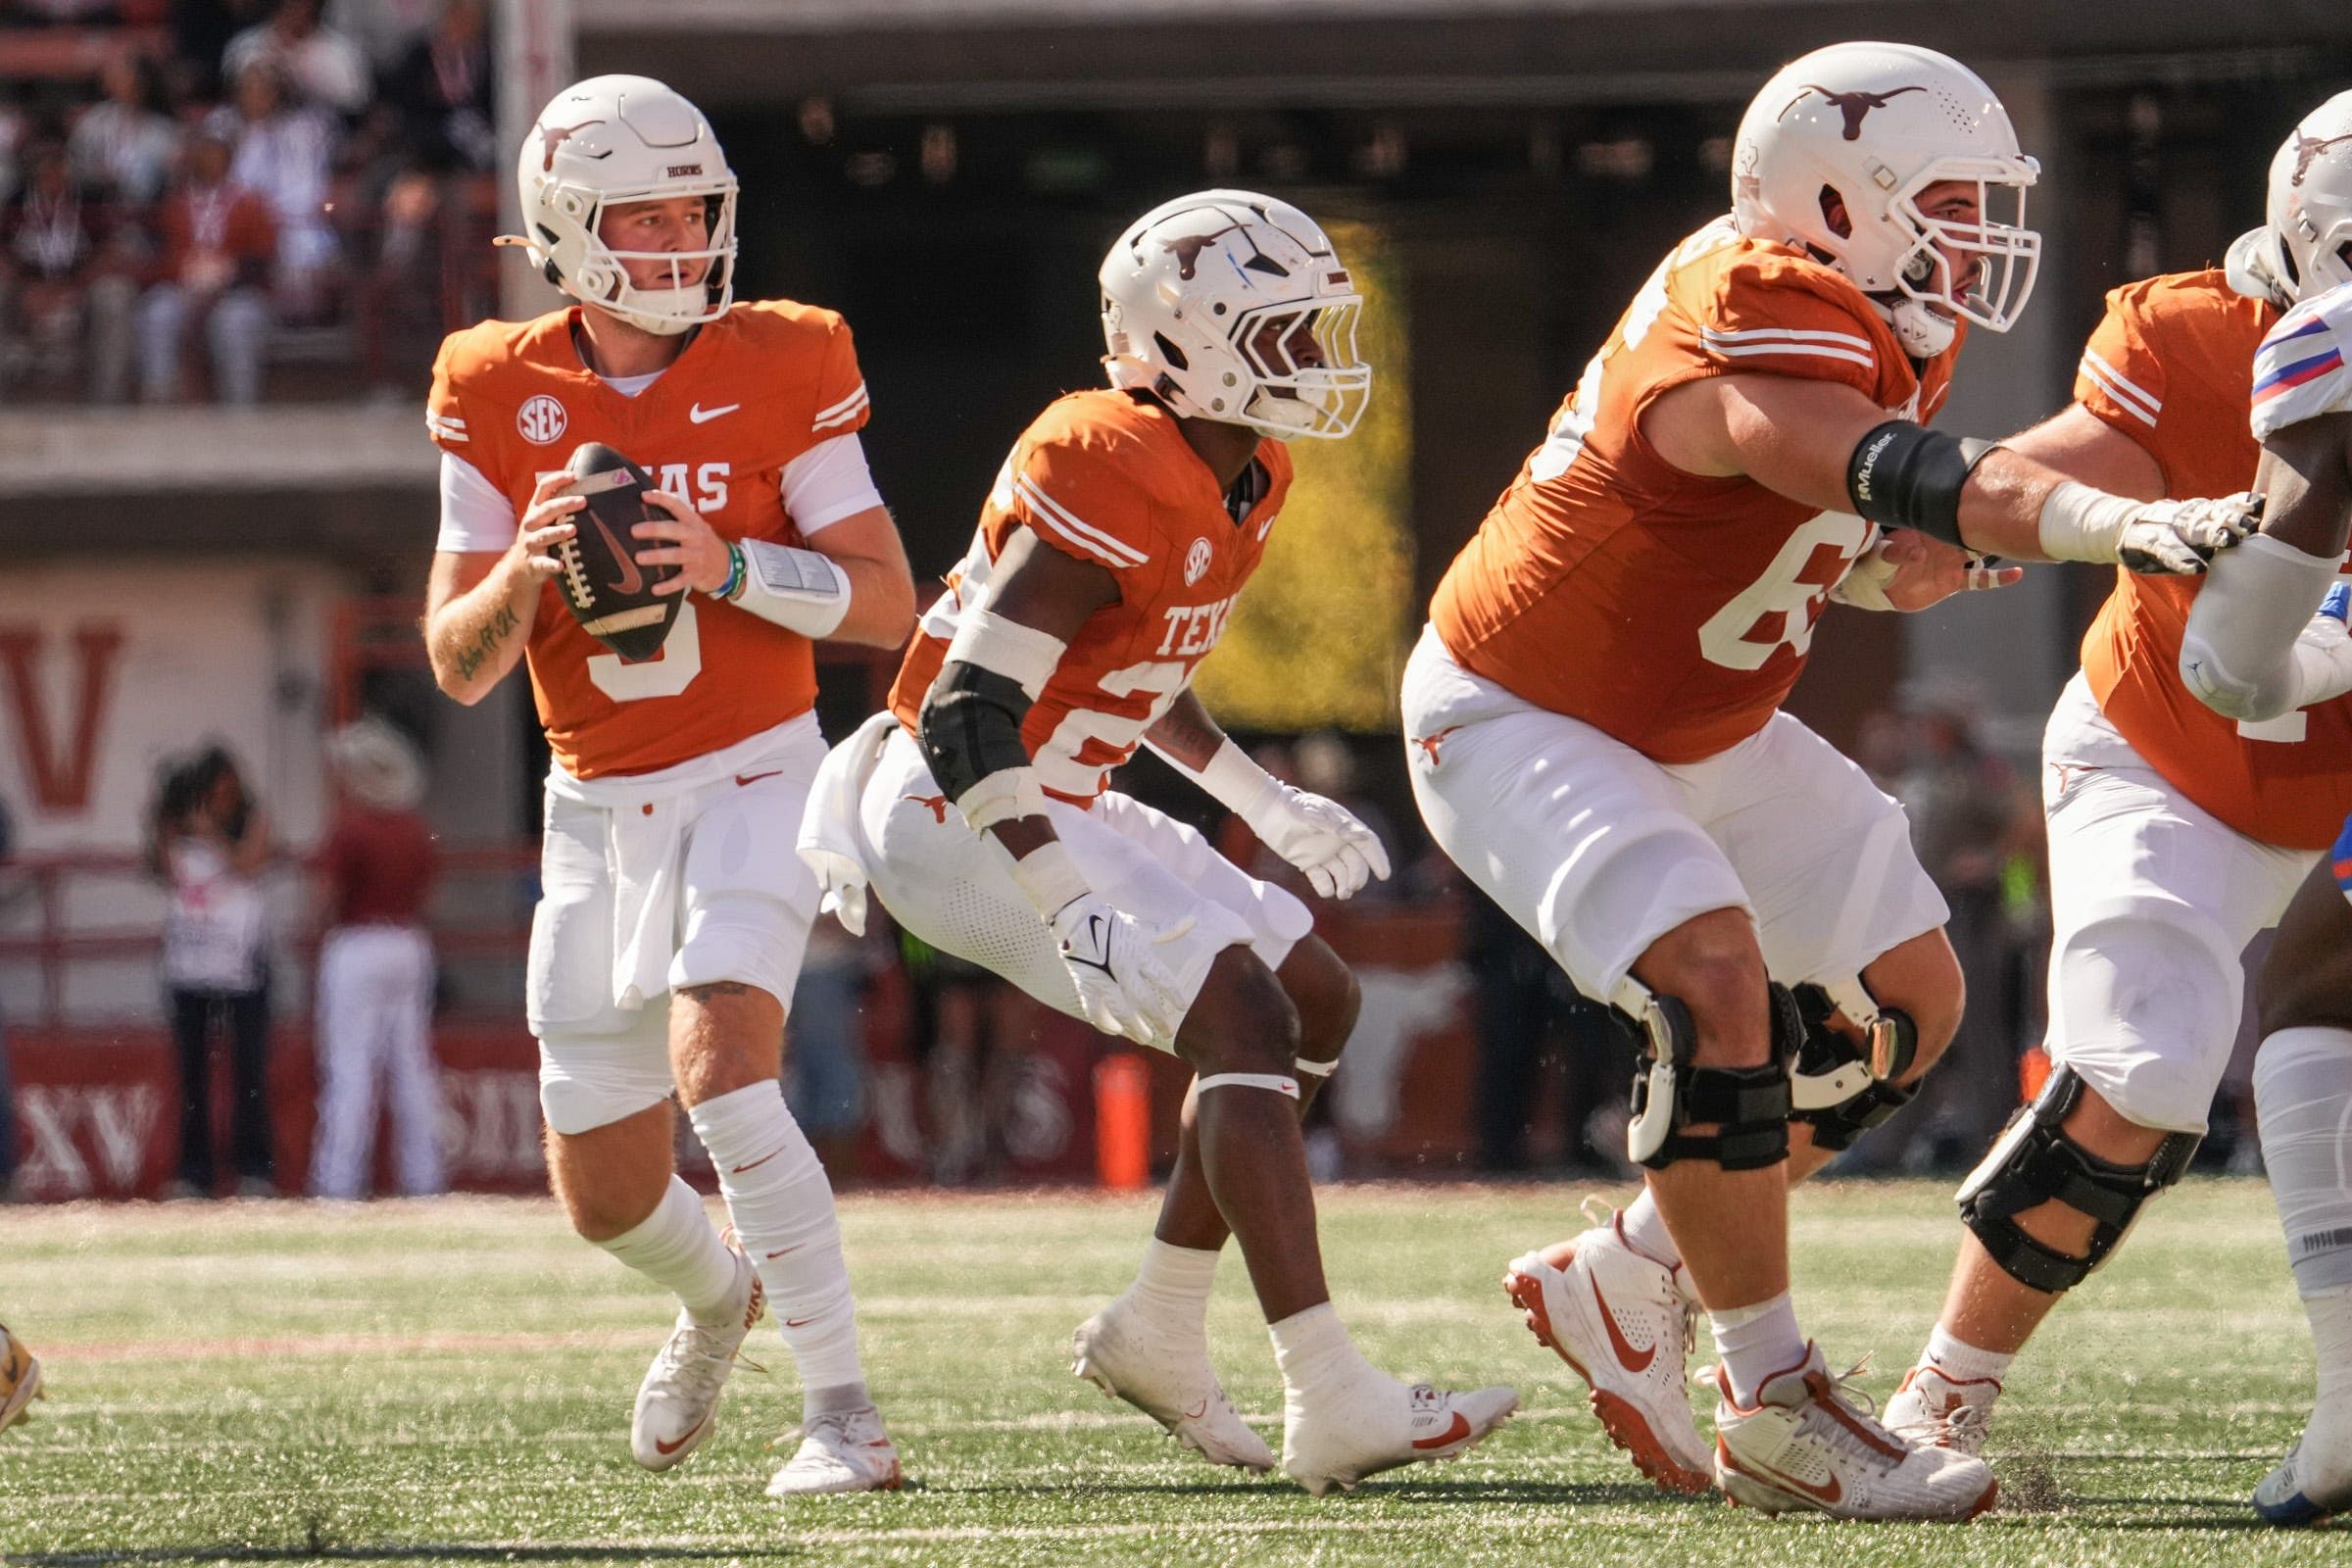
2303	1100
2146	996
592	1080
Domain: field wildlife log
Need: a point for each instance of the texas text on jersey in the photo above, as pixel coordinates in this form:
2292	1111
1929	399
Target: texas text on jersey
1674	611
757	388
1109	477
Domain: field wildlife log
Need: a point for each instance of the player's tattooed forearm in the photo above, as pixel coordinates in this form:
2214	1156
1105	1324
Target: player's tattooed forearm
1187	732
483	647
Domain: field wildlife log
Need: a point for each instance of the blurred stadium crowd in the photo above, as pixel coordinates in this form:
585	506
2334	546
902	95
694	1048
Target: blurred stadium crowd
202	194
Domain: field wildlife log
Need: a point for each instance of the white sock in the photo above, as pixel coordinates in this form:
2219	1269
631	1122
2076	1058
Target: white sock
782	1206
2331	1314
1645	1228
2303	1103
1312	1349
1962	1361
1173	1285
1757	1343
676	1247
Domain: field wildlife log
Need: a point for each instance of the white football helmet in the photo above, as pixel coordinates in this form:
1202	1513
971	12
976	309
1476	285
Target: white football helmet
606	141
1875	124
1233	306
2301	253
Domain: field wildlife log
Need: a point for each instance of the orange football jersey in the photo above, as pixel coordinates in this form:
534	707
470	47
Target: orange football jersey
2171	367
1669	609
754	390
1109	477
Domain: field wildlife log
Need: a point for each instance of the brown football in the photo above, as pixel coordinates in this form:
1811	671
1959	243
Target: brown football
610	594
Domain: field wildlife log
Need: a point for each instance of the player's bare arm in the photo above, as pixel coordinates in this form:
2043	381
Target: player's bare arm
479	603
1829	445
2306	484
2086	449
1185	734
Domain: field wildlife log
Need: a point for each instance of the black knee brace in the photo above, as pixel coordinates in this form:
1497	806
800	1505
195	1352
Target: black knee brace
1748	1104
2034	1161
1837	1087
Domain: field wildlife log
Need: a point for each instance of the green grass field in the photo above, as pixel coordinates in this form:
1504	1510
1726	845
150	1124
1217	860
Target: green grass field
451	1381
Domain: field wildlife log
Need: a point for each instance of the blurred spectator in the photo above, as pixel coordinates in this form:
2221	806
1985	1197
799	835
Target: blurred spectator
1524	1008
824	1069
216	242
321	65
284	155
65	13
53	241
968	1046
1964	803
125	145
207	842
441	90
16	128
375	969
382	29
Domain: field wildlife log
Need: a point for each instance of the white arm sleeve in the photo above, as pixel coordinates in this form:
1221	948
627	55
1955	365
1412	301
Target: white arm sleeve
827	483
476	514
2242	655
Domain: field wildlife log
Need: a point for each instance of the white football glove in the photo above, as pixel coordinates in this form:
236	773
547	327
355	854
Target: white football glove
1123	986
1319	836
2163	538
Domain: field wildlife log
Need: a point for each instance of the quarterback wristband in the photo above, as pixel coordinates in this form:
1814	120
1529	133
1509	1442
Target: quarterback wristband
1050	879
726	590
799	589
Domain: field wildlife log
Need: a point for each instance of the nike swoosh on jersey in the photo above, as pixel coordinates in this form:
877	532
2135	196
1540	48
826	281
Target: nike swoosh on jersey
702	416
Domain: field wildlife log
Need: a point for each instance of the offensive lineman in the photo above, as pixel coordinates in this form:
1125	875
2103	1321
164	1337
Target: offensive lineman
1594	736
675	913
1108	555
2177	830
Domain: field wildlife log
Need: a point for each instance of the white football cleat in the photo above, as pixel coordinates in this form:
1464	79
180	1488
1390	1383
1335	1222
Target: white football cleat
2313	1482
1804	1445
1934	1409
1380	1424
1624	1322
677	1403
847	1451
20	1380
1169	1379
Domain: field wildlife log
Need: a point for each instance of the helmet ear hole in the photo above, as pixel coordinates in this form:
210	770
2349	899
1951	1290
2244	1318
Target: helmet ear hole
1834	214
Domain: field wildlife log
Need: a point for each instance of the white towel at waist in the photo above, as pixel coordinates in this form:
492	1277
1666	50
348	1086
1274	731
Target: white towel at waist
830	840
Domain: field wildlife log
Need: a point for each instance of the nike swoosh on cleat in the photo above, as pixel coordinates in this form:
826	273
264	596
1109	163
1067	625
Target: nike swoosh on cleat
666	1450
797	1322
1195	1416
1626	1357
755	1164
1451	1435
1787	1483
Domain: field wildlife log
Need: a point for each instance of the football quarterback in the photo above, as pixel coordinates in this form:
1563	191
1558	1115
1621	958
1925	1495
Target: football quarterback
1109	557
674	912
1750	444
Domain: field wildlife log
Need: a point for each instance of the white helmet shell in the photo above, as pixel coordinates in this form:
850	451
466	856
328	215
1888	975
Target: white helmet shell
2310	205
1875	124
1234	306
611	140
